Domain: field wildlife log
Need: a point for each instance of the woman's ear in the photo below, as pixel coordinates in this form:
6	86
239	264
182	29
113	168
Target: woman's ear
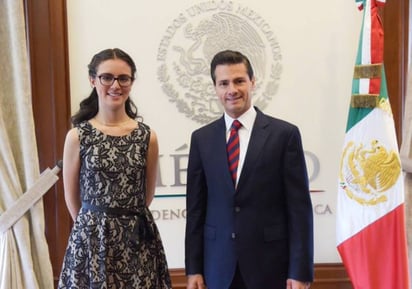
92	81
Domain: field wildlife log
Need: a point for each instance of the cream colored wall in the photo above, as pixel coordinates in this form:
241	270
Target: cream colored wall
317	43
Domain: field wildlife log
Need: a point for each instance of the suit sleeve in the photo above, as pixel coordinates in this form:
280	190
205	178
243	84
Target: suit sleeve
196	197
299	207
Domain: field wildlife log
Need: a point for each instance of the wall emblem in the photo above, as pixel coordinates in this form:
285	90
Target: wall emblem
367	173
193	38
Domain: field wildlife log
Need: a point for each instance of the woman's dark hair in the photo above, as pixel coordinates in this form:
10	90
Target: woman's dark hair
90	105
229	57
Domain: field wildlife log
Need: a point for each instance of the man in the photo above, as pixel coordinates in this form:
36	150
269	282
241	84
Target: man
254	231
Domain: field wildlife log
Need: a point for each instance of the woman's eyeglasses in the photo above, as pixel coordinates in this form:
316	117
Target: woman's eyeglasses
108	80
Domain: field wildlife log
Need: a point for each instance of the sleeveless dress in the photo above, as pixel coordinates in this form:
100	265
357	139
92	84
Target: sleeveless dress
114	241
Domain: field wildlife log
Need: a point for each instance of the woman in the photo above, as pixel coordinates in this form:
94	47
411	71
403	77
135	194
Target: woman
109	173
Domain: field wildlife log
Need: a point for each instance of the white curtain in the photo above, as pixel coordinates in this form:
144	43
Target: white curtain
406	158
24	255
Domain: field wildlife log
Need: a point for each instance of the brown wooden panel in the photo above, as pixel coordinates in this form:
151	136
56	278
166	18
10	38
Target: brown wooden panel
178	278
395	21
47	41
331	276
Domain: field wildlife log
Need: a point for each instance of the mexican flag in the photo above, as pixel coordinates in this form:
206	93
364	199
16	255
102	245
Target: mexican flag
371	234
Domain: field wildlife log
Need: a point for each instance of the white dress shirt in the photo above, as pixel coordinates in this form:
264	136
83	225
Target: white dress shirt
247	120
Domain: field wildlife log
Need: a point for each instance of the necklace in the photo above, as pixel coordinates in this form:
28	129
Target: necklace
108	124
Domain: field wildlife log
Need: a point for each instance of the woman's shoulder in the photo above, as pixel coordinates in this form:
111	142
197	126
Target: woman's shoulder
143	125
79	130
150	132
72	136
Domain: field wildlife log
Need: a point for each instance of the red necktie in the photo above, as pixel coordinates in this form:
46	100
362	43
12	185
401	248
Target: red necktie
233	149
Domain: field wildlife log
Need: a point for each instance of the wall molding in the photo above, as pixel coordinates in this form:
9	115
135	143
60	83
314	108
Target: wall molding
327	276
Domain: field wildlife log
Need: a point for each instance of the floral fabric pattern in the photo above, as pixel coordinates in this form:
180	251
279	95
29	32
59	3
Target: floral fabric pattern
114	242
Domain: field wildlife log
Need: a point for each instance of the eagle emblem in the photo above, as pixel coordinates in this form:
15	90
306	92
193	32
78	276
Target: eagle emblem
367	173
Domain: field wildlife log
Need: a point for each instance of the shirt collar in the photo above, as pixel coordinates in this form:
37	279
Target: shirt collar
247	119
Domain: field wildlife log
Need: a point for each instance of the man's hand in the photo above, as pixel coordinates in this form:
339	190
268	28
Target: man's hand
195	282
294	284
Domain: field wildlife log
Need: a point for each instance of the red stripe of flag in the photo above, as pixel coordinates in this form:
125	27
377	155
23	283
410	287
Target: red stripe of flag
376	257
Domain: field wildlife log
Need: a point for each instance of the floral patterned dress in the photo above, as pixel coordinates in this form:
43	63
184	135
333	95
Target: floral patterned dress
114	242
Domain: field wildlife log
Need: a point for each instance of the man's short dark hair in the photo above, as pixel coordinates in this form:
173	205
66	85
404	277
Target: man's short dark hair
229	57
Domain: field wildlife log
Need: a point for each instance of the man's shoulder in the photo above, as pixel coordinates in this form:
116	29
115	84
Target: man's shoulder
210	127
266	119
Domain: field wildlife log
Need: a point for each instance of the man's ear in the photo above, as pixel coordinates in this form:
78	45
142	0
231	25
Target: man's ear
253	82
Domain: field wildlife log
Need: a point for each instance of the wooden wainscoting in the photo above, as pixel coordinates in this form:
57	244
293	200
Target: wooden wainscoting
331	276
178	278
327	276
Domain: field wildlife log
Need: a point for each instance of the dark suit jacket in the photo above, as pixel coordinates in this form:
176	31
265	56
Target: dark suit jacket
266	224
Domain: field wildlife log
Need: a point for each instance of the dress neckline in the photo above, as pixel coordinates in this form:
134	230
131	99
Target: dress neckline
128	133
